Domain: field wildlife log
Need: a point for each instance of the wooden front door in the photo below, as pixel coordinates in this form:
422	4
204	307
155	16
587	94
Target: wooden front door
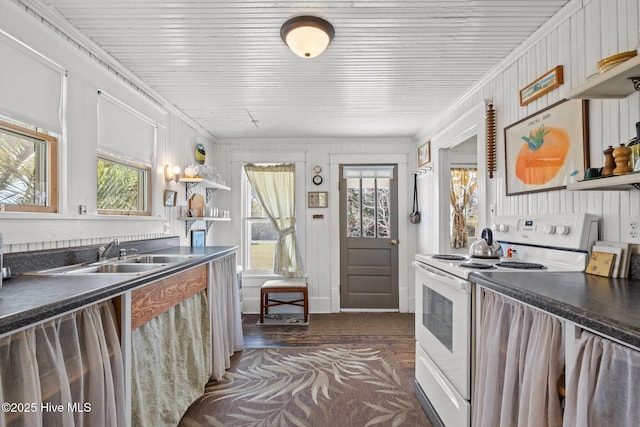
369	237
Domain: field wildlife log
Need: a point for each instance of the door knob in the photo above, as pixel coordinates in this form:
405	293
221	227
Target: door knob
394	242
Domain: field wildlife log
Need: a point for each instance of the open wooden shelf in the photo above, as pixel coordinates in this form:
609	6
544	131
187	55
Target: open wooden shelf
615	83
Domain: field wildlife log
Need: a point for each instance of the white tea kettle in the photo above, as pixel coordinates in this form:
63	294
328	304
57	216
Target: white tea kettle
485	246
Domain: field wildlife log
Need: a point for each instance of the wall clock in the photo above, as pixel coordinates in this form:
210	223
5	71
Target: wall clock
317	180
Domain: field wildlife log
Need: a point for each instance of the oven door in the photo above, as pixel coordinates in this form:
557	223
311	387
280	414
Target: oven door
443	324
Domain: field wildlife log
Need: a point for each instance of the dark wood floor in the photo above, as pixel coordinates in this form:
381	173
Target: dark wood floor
401	345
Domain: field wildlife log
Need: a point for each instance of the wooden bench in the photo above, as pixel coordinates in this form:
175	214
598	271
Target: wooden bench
284	286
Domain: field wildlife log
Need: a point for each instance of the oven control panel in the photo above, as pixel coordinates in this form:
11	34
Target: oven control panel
574	231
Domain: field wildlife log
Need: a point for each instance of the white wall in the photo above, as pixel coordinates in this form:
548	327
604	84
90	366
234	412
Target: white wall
319	233
577	38
78	148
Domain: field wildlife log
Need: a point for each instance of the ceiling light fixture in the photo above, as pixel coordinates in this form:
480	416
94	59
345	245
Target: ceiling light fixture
307	36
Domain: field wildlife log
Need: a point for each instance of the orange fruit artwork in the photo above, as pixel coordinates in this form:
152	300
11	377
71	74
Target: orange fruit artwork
542	157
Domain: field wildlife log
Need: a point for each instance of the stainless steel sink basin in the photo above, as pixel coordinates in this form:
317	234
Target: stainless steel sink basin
132	265
159	259
112	268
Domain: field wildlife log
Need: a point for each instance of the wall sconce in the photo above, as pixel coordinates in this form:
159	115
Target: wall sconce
307	36
171	173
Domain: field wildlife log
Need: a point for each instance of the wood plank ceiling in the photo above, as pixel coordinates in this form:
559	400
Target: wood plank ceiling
392	67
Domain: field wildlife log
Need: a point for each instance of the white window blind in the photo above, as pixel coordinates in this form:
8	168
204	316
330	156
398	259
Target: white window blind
124	131
30	85
371	171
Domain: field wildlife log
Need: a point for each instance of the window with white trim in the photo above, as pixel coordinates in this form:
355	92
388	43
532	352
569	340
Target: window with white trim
260	234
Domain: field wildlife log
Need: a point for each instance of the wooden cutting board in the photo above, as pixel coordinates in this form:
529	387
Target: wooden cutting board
197	204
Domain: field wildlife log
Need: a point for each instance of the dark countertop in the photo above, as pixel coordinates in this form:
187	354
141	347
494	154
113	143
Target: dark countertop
25	299
608	306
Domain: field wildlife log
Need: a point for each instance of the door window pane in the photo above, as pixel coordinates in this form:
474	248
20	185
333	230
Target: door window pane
354	221
368	207
368	203
383	211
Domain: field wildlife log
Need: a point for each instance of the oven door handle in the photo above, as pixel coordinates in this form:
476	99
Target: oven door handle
447	279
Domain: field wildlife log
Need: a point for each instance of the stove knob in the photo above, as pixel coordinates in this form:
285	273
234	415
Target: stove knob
503	227
549	229
563	229
494	227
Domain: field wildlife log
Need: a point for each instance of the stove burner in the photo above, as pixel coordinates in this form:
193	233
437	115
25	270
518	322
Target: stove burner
447	257
521	265
477	265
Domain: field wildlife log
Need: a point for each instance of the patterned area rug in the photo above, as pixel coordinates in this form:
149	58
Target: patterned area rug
309	386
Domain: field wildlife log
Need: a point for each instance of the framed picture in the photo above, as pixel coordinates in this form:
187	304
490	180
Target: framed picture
318	199
169	198
424	154
548	149
543	84
198	238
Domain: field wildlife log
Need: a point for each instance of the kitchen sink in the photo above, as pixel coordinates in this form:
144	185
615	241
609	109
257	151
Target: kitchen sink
133	265
112	268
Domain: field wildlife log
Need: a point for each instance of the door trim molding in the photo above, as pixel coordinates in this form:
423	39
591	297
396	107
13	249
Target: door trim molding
403	220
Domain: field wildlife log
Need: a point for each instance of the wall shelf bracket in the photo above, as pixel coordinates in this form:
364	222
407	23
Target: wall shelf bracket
189	186
210	192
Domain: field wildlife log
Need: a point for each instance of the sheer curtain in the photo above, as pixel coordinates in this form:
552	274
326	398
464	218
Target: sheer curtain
275	186
519	361
72	363
604	387
171	363
226	318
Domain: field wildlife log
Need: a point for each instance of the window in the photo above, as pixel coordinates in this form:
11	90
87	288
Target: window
28	168
261	235
368	200
123	187
464	208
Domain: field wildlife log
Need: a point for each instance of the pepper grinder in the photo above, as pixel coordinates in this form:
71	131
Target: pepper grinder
609	162
622	154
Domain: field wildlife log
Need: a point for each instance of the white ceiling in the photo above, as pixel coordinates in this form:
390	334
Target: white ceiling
392	67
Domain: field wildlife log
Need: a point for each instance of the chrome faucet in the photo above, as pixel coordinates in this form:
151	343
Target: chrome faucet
103	251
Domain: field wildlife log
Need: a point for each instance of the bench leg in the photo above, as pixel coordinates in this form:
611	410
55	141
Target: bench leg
305	296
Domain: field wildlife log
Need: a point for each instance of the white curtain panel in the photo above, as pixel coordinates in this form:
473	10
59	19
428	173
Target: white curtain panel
519	361
226	318
72	363
276	188
170	363
604	387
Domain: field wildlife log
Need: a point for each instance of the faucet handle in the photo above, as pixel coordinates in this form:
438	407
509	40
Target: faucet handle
123	252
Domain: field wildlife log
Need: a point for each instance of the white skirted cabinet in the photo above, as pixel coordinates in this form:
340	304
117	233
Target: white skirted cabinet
524	357
65	371
140	358
183	331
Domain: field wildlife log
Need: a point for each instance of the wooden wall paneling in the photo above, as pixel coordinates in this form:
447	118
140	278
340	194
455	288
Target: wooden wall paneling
622	25
156	298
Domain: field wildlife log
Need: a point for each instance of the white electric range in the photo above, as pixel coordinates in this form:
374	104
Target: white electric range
445	302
